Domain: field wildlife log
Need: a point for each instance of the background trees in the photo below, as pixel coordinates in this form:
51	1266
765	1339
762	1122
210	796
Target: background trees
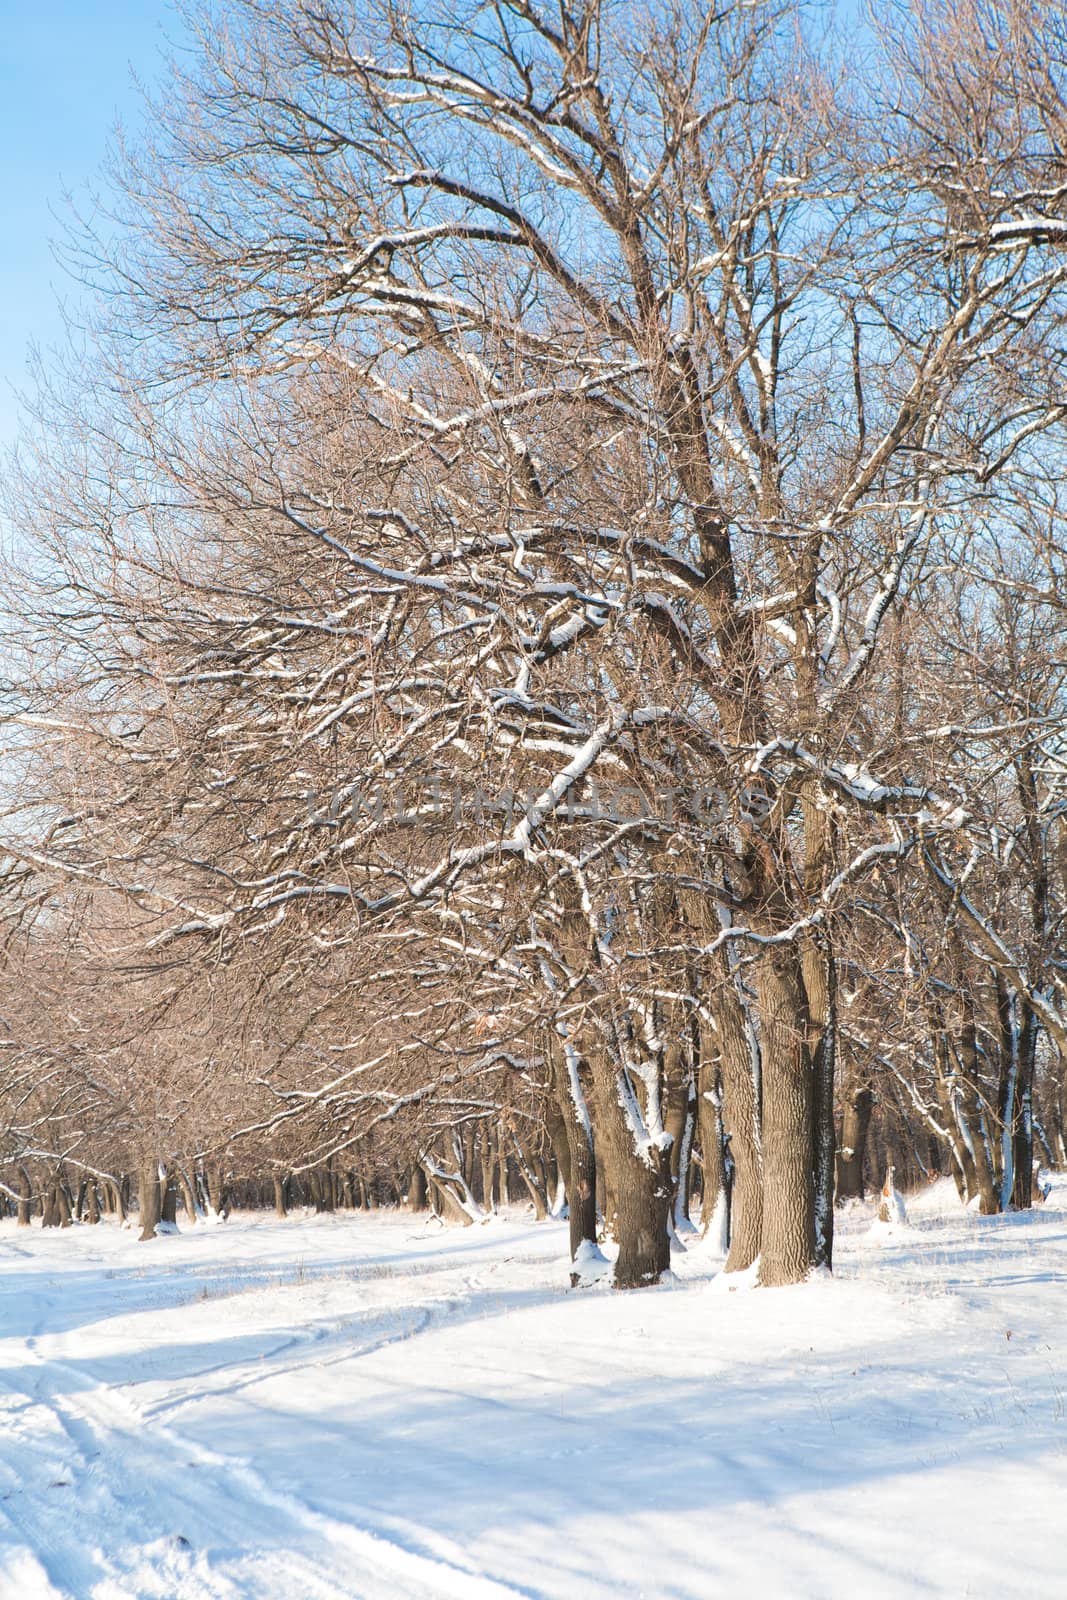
553	579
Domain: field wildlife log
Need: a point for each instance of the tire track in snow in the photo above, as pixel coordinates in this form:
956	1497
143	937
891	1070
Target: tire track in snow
125	1465
197	1392
430	1313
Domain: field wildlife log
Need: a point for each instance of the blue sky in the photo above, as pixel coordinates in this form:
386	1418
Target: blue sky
65	79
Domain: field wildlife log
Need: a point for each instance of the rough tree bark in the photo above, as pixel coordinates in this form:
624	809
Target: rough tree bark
787	1246
741	1082
639	1181
148	1199
855	1121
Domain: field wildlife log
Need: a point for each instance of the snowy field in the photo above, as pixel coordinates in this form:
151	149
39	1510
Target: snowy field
374	1408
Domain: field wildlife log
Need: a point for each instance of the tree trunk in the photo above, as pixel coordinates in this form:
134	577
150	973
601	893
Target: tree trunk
556	1128
25	1198
581	1170
502	1161
449	1205
787	1250
215	1188
148	1199
417	1199
1023	1127
1058	1118
322	1185
639	1182
188	1195
677	1122
168	1199
971	1111
485	1151
682	1172
642	1198
715	1200
859	1102
536	1192
740	1071
280	1207
819	988
118	1197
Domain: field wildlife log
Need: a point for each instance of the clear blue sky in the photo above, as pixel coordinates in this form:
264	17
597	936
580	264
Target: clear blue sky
65	79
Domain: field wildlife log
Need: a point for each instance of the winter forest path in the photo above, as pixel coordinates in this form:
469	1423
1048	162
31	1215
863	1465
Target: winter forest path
368	1407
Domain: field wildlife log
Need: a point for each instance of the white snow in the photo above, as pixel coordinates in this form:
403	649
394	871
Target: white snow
370	1407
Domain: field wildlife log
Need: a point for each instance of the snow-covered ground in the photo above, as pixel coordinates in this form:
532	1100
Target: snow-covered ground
374	1408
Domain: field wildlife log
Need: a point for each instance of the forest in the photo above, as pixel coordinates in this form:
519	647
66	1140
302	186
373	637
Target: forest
535	616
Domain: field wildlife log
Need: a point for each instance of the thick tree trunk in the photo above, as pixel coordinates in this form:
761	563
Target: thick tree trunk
971	1112
740	1071
859	1102
280	1207
556	1128
168	1199
639	1181
787	1249
417	1199
51	1207
581	1196
643	1197
148	1199
449	1204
